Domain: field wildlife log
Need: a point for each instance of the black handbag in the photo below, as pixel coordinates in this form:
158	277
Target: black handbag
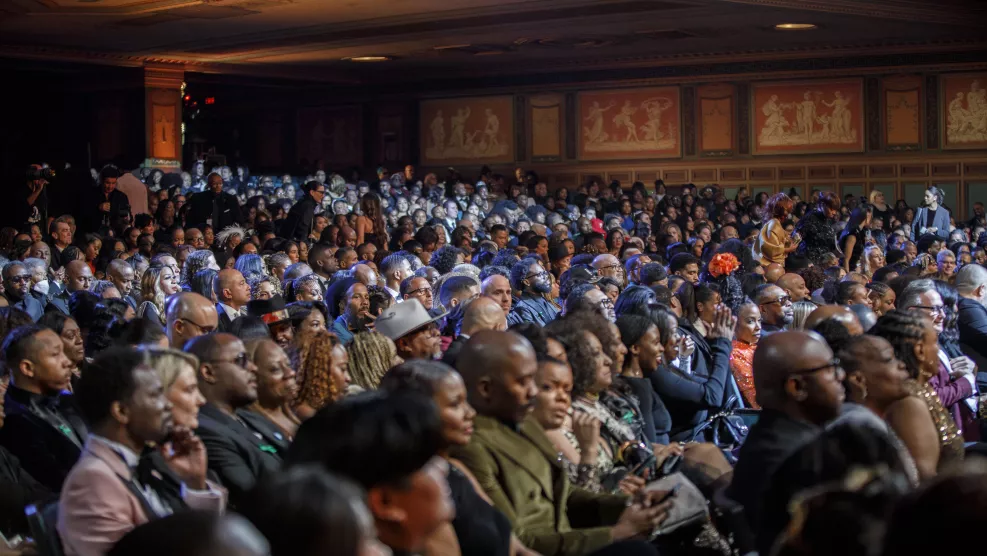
727	429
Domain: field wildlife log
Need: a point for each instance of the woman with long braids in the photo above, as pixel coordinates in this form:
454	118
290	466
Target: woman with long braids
371	355
370	226
919	419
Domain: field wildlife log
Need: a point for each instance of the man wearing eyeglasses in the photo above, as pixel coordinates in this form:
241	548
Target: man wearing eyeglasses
188	316
777	311
237	453
17	290
532	280
301	218
608	265
955	384
799	386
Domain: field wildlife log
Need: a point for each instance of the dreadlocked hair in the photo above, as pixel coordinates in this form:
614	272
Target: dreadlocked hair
902	330
311	360
371	354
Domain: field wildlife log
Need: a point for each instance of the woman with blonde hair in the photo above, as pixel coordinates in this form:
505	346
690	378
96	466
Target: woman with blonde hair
801	311
871	260
178	373
371	354
157	283
322	368
773	243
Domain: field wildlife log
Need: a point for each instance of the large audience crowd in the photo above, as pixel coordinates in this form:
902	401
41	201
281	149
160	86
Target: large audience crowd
218	363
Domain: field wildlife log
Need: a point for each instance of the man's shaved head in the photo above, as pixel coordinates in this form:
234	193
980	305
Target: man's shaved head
483	313
499	371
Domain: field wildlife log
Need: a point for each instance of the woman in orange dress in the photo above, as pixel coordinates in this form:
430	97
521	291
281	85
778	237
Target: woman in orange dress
747	333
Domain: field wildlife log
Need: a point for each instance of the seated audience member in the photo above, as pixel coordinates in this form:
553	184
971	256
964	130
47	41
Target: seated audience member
389	445
232	296
276	389
498	288
794	286
798	384
273	314
531	281
920	419
483	313
955	381
17	290
238	454
193	534
480	528
323	372
42	427
510	455
355	316
305	510
776	308
105	496
971	284
370	354
414	332
189	315
19	488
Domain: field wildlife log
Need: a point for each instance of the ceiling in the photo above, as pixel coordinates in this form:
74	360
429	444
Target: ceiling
446	39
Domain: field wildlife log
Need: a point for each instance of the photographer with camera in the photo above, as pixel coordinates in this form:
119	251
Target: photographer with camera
30	204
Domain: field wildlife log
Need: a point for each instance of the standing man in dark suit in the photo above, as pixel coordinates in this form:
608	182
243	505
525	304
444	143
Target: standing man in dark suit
228	380
298	224
102	205
42	427
213	207
233	294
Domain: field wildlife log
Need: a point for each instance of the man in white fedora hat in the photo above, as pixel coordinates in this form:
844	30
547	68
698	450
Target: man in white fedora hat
414	331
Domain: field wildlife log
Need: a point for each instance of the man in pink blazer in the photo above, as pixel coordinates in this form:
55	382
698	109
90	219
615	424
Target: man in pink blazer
111	489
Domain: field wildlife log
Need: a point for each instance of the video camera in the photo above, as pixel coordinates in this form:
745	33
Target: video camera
34	173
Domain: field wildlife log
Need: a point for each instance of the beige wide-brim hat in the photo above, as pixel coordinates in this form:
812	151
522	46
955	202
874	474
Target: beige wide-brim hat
401	318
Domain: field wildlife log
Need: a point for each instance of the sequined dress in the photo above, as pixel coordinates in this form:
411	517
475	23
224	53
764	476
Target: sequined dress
742	366
950	440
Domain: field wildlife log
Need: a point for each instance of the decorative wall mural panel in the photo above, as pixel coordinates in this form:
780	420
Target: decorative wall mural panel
808	117
903	113
964	102
469	129
716	120
546	126
630	123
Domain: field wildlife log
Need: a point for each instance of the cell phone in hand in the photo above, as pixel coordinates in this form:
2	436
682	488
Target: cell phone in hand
672	492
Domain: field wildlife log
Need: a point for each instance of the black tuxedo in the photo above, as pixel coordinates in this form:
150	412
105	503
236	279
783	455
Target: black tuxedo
223	209
46	446
269	430
237	453
298	224
19	489
95	220
225	322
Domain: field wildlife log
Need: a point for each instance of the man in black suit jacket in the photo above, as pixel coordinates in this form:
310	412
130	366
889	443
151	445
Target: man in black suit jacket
42	427
238	453
233	294
19	488
222	209
102	205
971	284
298	224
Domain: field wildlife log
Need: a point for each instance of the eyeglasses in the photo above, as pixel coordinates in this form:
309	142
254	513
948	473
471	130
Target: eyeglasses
204	329
611	267
833	363
319	191
940	309
240	360
783	300
19	279
537	275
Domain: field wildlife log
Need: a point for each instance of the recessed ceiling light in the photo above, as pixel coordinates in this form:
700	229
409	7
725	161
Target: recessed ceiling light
368	59
795	26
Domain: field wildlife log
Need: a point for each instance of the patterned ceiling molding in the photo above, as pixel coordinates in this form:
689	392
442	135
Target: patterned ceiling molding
931	12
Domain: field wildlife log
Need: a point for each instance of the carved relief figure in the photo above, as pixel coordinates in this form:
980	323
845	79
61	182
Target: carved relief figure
776	122
623	119
490	133
968	123
438	131
594	133
458	123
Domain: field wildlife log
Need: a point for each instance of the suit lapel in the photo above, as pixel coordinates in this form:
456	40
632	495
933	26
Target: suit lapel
267	429
505	441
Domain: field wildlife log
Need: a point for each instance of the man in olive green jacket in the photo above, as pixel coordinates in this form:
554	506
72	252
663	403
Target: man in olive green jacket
519	469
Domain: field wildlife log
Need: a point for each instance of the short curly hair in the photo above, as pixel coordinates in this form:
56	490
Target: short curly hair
444	258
